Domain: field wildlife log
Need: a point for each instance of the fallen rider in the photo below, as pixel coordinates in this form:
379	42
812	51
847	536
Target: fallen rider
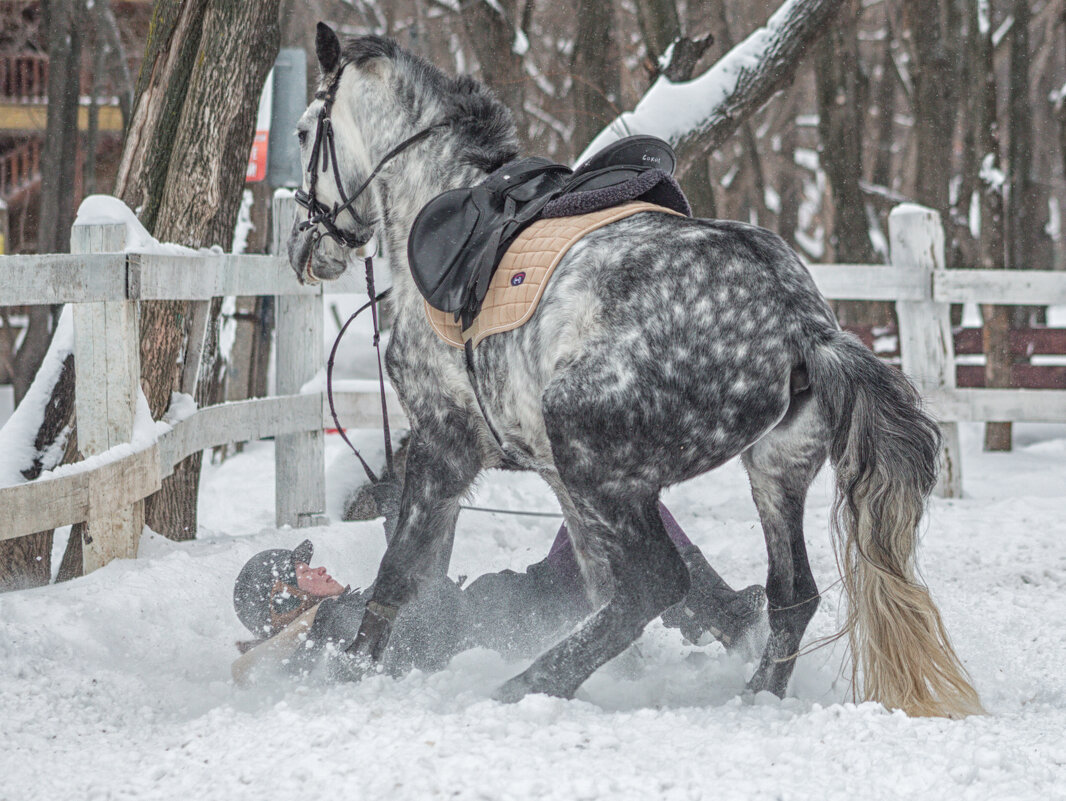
301	616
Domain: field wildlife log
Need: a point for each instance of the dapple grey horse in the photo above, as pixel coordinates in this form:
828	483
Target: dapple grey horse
663	347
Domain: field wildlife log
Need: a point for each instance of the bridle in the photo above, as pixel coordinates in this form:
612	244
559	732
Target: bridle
318	213
386	486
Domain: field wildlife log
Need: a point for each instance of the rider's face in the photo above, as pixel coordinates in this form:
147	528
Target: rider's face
316	581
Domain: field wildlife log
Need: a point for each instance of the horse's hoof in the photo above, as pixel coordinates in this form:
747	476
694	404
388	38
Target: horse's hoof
512	691
767	681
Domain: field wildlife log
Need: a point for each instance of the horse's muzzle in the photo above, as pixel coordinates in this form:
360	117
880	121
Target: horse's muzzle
314	257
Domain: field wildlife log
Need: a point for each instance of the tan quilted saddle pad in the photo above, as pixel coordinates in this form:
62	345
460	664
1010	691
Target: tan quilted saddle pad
519	282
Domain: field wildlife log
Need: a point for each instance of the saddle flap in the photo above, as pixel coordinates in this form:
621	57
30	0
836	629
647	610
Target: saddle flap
457	237
442	241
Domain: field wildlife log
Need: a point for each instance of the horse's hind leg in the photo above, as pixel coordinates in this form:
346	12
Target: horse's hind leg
781	467
648	576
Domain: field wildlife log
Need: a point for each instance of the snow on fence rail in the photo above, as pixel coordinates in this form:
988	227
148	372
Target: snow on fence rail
105	285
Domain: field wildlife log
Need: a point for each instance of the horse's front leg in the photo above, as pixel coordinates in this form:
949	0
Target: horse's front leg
442	461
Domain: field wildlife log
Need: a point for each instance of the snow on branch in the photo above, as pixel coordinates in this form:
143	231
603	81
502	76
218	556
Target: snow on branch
698	115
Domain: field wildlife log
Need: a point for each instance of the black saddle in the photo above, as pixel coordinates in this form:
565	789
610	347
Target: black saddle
459	237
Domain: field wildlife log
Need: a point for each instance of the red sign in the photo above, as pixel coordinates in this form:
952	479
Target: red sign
257	161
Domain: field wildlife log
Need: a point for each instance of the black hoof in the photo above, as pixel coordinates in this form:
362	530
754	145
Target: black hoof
748	608
513	690
533	681
775	667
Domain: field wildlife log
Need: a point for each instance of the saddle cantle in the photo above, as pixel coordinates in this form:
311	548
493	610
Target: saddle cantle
459	237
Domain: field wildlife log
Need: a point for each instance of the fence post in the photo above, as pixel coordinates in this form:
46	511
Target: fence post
107	362
300	459
927	351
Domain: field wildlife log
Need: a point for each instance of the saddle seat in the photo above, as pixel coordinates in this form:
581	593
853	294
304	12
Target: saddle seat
459	238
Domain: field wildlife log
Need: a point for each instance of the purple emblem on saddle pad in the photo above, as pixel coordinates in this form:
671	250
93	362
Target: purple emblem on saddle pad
517	279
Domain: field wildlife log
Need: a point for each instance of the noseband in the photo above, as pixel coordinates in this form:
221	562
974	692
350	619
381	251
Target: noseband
317	212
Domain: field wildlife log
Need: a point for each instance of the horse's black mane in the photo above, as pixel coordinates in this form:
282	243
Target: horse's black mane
484	127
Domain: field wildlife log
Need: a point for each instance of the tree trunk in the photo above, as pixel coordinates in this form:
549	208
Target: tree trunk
58	169
988	178
173	38
842	95
237	47
40	324
840	129
96	90
594	70
490	30
59	157
753	179
26	561
118	66
886	111
1026	213
789	186
998	319
934	31
659	25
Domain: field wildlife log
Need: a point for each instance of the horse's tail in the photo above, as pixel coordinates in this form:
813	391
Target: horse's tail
884	449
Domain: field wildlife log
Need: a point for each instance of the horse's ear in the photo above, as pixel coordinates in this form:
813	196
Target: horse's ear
327	48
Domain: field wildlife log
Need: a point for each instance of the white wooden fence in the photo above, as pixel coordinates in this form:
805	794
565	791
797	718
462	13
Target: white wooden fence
106	286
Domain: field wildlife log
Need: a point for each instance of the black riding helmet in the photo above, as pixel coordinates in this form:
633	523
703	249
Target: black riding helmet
253	591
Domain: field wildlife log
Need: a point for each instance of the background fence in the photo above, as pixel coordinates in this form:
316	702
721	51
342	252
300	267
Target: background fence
106	286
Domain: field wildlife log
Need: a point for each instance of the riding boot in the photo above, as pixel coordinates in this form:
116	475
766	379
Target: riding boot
712	606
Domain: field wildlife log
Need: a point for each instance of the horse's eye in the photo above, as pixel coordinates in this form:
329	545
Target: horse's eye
302	137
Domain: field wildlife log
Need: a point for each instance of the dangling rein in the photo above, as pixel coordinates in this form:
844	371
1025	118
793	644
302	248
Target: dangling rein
371	304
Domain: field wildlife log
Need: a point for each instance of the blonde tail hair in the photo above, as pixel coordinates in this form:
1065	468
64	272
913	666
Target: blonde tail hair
884	449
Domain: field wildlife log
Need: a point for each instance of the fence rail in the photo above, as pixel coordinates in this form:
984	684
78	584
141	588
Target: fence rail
106	285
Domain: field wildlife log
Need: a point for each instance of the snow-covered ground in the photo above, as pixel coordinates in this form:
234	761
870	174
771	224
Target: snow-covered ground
117	685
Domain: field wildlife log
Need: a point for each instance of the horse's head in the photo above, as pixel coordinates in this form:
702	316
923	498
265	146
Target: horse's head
386	132
334	155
